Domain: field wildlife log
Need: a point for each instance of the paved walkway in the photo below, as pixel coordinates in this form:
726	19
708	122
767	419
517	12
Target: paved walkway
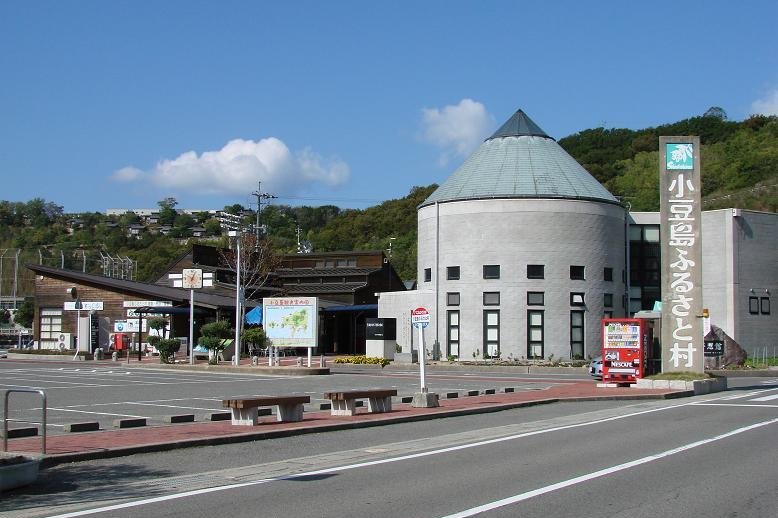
119	442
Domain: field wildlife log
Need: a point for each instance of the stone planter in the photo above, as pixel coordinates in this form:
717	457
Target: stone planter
705	386
19	473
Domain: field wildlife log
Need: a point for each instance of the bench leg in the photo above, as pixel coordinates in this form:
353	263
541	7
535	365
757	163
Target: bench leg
379	404
245	416
290	413
343	407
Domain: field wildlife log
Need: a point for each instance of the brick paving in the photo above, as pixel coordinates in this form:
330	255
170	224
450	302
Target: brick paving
118	442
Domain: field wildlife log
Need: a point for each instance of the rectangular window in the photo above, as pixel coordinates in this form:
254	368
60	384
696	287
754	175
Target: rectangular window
491	271
535	271
491	298
753	305
765	305
607	274
452	298
452	273
50	324
577	299
577	273
607	314
534	334
491	333
535	298
427	274
576	335
608	300
452	334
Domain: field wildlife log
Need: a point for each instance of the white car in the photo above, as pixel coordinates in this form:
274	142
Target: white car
595	367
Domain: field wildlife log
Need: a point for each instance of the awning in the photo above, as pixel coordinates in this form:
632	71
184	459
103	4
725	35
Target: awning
254	316
356	307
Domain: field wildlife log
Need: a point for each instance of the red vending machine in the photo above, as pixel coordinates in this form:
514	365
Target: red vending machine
625	343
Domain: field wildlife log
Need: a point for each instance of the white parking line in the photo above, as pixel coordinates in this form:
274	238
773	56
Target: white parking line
172	406
95	413
765	398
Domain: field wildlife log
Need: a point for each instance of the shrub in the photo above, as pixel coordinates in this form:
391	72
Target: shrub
167	348
218	329
256	337
364	360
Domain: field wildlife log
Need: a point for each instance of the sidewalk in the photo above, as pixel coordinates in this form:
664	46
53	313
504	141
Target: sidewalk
119	442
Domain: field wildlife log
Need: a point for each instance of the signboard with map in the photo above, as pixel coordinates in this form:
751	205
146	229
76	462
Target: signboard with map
291	321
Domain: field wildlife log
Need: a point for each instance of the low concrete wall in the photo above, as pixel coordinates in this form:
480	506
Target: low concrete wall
706	386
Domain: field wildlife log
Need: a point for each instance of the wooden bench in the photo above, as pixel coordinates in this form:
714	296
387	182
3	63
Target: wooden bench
344	402
244	410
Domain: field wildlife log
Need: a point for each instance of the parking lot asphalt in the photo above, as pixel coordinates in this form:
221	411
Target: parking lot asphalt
151	394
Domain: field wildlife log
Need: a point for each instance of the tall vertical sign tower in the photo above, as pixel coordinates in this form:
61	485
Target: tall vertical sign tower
681	248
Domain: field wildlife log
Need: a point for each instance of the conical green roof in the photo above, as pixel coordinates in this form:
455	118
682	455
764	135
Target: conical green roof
520	161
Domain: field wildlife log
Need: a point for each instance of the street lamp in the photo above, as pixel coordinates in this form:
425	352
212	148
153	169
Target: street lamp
236	353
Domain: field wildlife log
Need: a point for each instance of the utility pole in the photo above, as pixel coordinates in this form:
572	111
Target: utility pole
16	274
260	196
2	257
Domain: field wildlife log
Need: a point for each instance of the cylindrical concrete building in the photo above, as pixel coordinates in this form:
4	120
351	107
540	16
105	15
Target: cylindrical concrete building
524	251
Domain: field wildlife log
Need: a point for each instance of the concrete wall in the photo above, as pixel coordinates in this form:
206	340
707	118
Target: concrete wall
513	233
398	305
754	274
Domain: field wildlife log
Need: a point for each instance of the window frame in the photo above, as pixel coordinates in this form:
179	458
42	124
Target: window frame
607	300
530	327
541	294
487	327
762	305
491	293
536	275
574	294
450	344
449	297
491	268
427	274
450	276
607	274
582	342
577	273
753	305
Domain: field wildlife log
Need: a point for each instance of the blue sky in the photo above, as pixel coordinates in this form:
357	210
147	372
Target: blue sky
124	103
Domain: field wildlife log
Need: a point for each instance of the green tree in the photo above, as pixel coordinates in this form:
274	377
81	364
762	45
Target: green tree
25	313
167	211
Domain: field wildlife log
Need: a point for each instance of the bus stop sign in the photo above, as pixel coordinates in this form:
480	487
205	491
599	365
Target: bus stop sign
420	317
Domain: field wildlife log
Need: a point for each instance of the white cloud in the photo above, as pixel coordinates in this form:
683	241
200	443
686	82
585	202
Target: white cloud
767	105
456	129
236	168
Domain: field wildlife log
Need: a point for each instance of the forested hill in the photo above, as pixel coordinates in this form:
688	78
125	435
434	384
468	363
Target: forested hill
739	160
739	169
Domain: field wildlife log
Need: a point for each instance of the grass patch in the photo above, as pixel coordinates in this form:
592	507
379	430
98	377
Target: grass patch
681	375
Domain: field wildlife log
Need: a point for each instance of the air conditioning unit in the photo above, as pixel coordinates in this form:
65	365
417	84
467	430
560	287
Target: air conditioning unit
64	341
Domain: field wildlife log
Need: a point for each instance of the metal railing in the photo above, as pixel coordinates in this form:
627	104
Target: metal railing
5	416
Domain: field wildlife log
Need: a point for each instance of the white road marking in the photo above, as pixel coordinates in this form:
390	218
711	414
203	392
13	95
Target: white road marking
765	398
96	413
745	395
170	406
736	405
603	472
175	496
